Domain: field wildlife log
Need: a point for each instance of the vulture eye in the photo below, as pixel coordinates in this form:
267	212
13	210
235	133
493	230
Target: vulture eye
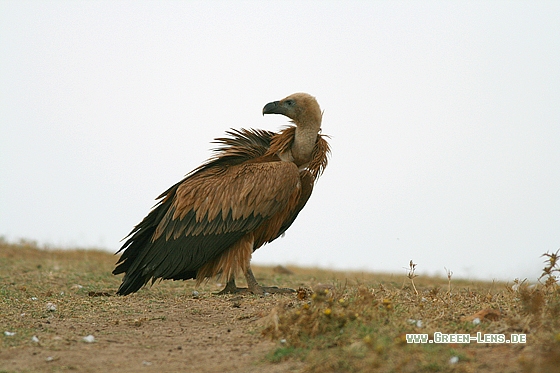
290	102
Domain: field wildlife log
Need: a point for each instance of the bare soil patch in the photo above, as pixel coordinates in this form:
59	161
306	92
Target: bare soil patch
60	297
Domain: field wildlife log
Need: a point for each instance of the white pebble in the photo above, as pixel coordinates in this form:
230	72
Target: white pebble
454	360
89	339
51	307
147	363
9	334
476	321
35	339
418	323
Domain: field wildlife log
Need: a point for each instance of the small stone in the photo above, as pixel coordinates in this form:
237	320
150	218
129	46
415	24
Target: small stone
418	323
89	339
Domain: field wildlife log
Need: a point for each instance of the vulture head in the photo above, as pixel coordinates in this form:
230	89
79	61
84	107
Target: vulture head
301	108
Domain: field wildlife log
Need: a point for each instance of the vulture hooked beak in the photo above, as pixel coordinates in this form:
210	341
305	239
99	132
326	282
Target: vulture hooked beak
273	108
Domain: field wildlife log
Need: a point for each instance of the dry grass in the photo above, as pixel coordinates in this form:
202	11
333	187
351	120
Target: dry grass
359	326
337	322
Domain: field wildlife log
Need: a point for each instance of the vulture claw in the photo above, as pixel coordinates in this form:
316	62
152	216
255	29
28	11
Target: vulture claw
253	287
231	288
274	290
257	290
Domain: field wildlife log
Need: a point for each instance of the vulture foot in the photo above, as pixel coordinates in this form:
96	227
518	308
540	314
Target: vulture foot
253	287
258	290
272	290
231	288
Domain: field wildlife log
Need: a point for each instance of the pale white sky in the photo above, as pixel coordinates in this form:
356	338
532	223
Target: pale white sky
444	117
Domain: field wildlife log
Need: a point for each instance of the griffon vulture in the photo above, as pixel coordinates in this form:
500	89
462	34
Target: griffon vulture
248	194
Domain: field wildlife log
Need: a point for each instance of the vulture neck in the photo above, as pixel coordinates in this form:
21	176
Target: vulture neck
304	141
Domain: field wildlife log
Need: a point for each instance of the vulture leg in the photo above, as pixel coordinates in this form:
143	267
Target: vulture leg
231	288
252	287
255	288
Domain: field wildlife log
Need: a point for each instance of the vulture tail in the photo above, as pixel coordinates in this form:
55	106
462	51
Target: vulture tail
138	241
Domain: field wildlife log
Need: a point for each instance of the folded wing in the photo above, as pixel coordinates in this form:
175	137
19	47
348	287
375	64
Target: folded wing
202	216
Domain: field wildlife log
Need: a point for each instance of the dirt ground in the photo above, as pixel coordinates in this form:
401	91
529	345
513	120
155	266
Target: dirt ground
52	300
212	334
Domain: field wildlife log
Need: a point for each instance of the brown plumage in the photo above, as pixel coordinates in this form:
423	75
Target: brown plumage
248	194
